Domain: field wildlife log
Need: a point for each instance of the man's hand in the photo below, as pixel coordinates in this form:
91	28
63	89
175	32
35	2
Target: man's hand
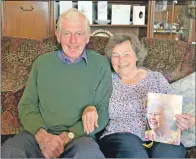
64	137
90	119
51	145
185	121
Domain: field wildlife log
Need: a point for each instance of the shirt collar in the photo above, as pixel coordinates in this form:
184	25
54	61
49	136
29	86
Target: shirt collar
67	60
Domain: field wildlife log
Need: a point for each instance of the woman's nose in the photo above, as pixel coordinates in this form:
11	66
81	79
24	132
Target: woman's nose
153	116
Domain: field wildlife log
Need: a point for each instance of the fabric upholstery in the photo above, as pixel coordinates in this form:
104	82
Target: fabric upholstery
97	44
17	56
48	44
186	87
175	59
10	122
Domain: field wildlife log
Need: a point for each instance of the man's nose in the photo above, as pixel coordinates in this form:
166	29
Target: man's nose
72	39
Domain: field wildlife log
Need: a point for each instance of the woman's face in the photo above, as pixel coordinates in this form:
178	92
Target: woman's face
123	58
155	117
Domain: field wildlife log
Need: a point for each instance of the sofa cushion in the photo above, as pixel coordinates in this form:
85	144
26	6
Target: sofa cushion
98	43
48	44
17	57
175	59
10	123
186	87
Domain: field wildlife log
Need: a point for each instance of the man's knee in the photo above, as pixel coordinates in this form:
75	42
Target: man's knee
18	145
19	140
86	147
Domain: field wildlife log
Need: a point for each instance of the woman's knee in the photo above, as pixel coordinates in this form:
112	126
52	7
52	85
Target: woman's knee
161	150
122	145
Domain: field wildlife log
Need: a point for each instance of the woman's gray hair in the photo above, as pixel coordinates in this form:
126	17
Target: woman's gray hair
138	47
73	15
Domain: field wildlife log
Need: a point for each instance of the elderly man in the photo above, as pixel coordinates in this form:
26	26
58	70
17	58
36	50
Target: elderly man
65	91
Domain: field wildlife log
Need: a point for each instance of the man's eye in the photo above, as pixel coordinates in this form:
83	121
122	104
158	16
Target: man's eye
115	55
79	34
66	33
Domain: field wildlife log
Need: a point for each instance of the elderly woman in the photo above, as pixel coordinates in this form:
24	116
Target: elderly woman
125	132
160	117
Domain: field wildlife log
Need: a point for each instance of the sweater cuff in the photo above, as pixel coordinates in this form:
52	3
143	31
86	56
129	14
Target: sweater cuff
77	129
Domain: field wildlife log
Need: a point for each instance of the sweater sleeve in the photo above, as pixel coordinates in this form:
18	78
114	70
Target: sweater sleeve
101	101
29	104
102	96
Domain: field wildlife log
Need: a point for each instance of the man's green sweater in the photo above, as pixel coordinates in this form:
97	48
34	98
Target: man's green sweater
57	93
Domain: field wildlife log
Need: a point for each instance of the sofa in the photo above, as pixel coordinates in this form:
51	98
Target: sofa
175	59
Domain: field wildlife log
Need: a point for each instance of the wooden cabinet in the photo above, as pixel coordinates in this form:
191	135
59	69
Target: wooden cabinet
29	19
172	20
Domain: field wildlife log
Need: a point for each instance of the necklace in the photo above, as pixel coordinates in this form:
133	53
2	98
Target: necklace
160	138
131	78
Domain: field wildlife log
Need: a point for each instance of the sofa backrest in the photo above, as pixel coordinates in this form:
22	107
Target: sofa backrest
174	59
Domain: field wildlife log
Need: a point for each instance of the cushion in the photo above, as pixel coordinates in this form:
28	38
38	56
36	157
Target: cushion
48	44
98	44
174	59
186	87
17	57
10	123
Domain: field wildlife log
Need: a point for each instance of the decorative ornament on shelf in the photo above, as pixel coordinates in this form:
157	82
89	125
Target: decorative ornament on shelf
192	11
102	21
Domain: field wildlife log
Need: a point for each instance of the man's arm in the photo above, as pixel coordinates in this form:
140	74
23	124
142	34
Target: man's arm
101	102
102	97
28	107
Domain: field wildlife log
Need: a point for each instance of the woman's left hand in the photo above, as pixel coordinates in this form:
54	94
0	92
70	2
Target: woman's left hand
90	119
185	121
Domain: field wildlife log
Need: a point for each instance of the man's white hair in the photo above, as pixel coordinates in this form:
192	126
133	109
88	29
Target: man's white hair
73	15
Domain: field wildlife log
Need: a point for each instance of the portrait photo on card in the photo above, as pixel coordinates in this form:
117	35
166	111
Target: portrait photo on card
161	121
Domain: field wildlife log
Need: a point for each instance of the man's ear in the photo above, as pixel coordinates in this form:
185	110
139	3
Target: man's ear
88	38
57	33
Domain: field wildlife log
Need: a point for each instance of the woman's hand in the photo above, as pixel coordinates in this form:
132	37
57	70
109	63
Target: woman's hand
90	119
185	121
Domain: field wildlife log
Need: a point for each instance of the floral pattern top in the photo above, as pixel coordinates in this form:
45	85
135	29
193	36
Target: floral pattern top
127	106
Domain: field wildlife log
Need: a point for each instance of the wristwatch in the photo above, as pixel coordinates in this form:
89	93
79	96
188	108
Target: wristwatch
70	135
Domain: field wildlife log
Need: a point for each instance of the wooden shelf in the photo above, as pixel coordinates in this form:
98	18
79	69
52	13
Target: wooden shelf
109	25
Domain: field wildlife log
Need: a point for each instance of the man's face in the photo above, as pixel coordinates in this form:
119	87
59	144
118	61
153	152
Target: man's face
155	117
73	37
